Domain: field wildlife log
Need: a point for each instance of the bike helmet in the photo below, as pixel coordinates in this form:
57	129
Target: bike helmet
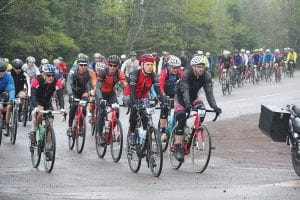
44	61
268	51
3	65
6	60
60	58
123	56
30	59
199	52
97	55
226	52
48	68
197	60
114	60
207	54
100	65
248	52
133	53
17	63
174	61
56	61
83	59
146	58
243	51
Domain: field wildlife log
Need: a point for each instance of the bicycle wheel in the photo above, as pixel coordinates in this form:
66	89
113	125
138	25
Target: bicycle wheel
229	88
116	144
201	149
35	151
175	164
93	124
49	149
71	140
295	160
134	160
13	126
80	138
224	87
100	149
25	112
0	129
155	153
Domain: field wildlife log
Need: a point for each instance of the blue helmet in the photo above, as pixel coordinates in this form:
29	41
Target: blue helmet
48	68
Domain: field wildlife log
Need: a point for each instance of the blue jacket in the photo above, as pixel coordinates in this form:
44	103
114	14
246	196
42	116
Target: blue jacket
7	85
268	58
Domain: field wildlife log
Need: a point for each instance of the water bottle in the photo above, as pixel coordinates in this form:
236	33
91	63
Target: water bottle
141	135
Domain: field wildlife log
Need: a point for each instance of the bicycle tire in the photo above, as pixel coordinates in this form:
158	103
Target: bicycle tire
71	141
155	153
0	129
50	158
175	164
295	160
35	152
134	160
201	143
224	87
13	128
101	150
25	112
80	138
116	145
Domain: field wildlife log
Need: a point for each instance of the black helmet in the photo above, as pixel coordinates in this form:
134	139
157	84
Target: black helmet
2	65
17	63
83	59
114	60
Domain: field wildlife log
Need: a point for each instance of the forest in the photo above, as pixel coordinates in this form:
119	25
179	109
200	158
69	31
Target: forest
47	29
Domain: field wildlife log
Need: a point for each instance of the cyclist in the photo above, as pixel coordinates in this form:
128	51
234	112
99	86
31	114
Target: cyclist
163	62
79	85
123	58
167	81
42	88
7	91
130	65
292	56
186	97
21	79
278	60
211	61
201	54
63	67
140	82
105	89
8	65
30	68
97	59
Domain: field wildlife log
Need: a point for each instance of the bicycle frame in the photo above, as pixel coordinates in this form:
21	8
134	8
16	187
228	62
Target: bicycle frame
113	111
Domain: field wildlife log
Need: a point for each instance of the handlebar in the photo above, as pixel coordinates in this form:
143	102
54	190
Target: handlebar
206	110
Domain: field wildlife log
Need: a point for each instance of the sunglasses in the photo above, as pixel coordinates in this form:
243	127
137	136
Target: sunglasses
83	65
174	67
113	65
50	75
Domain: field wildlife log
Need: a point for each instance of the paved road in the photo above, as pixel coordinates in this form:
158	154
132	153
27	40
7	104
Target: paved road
244	165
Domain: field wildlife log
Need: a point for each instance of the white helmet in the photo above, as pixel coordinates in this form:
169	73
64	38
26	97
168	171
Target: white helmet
242	50
260	49
207	54
248	52
268	50
30	59
44	61
277	51
97	55
226	52
174	61
197	60
56	61
199	52
100	65
123	56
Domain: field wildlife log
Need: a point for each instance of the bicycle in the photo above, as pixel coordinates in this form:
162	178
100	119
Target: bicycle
79	126
12	126
46	141
2	111
170	124
196	139
112	131
149	147
277	72
226	83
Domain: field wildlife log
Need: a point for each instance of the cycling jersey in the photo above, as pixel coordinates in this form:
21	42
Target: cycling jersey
7	85
292	56
189	85
31	71
267	58
106	81
141	84
77	84
168	82
237	60
41	92
20	80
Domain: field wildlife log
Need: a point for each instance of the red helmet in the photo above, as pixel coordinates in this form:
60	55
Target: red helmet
146	58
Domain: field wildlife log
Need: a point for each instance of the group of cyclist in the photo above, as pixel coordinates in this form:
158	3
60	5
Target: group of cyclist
142	77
